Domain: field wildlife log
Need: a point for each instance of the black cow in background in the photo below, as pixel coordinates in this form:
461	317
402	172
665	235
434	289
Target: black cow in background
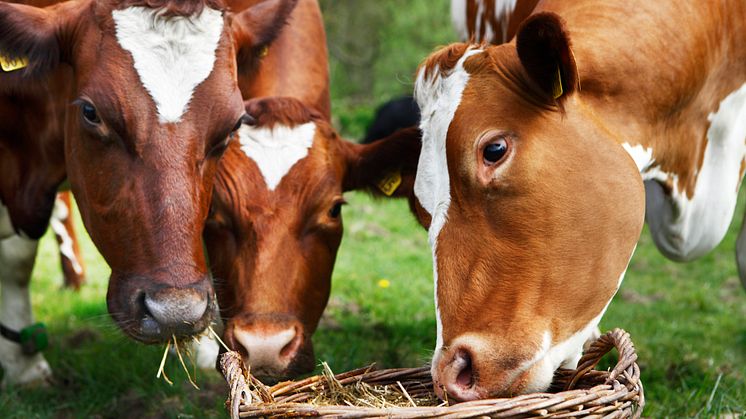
395	114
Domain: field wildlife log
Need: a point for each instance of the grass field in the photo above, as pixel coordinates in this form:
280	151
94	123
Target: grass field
688	320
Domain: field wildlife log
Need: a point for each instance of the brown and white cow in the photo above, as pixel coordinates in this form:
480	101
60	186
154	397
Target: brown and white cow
276	225
541	147
489	21
154	90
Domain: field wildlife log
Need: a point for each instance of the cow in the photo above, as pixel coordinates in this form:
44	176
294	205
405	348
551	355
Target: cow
398	113
155	96
276	224
63	225
489	21
553	150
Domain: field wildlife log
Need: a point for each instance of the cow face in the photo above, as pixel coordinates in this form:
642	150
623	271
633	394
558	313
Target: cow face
276	226
533	211
155	98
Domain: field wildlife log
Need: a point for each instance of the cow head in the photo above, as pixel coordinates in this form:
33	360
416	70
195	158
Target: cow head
276	226
155	98
533	211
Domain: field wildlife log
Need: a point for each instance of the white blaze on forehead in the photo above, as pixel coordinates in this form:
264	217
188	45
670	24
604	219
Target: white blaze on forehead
172	54
438	98
276	150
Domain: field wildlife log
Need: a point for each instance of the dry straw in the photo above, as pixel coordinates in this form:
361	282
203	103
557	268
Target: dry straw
407	392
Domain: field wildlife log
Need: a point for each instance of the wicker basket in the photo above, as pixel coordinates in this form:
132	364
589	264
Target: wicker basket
583	392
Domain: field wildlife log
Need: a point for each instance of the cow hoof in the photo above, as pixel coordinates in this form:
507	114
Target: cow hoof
35	374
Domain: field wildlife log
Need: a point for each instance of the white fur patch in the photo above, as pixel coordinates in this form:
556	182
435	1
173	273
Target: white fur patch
172	55
275	151
59	215
683	228
458	18
503	12
438	98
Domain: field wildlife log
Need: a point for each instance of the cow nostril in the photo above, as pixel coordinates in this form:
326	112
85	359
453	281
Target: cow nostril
291	347
465	377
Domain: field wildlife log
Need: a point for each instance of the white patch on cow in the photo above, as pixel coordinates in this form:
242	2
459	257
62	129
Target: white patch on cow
503	12
264	350
438	98
17	256
59	215
6	226
206	350
172	54
276	150
683	228
458	18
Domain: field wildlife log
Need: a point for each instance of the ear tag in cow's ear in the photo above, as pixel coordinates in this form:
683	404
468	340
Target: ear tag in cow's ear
8	64
390	183
557	86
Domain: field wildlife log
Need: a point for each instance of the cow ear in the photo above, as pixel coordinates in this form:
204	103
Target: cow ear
32	39
255	28
545	52
386	167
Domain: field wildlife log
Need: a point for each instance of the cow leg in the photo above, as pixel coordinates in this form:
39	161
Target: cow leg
17	255
741	252
62	223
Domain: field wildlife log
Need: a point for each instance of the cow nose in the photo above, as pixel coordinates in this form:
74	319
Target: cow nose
456	376
269	354
175	311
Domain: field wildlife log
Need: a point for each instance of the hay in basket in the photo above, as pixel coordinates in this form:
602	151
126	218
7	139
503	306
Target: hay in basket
407	392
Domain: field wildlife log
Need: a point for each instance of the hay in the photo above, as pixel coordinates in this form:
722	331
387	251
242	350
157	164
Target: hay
173	341
362	394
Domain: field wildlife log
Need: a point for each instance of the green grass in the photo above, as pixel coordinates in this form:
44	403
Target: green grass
688	321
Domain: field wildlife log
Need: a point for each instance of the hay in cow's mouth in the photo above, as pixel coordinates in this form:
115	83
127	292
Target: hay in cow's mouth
174	341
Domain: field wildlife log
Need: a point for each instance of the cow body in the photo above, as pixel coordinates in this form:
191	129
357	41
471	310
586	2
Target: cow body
541	147
137	146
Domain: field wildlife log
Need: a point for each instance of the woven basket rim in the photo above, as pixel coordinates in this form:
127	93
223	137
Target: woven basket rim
615	393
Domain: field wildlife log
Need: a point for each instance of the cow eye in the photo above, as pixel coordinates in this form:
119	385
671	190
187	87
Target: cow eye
89	113
336	210
494	151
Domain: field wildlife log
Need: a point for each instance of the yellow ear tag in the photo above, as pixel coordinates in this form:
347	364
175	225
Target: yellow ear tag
9	65
389	183
263	53
557	87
